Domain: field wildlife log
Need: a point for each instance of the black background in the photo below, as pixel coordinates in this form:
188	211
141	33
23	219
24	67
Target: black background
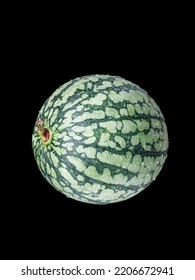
40	223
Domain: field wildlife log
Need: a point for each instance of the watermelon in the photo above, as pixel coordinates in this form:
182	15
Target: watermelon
100	139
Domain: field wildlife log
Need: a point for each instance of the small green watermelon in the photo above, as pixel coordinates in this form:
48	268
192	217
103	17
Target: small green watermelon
100	139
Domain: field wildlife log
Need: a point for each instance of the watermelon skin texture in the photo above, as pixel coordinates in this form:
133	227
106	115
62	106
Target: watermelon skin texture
108	139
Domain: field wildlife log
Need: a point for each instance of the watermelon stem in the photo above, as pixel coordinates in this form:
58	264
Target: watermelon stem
44	132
